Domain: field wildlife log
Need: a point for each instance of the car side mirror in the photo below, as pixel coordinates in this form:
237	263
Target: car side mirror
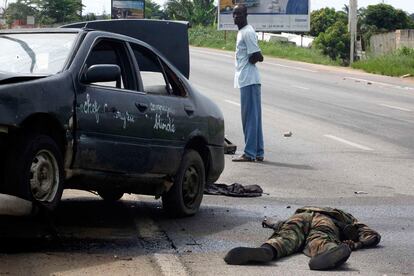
102	73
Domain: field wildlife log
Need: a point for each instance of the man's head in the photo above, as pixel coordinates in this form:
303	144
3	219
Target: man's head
240	15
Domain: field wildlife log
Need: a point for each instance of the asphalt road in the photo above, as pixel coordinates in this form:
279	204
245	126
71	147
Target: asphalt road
352	148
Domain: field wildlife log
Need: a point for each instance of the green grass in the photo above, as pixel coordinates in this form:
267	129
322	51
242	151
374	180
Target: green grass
212	38
396	64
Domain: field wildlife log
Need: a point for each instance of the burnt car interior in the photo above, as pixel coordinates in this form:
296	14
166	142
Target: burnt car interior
114	53
156	76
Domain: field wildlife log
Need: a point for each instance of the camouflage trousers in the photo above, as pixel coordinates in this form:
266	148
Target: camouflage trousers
314	233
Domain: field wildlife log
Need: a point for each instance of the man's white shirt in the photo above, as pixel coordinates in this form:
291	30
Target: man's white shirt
246	73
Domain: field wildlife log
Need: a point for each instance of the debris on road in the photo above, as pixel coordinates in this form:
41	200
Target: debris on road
229	147
360	193
288	134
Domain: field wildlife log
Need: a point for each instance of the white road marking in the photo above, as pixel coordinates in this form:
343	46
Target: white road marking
396	107
166	259
212	53
381	83
290	67
300	87
348	142
231	102
170	264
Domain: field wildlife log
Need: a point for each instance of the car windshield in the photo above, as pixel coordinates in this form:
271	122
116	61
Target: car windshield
35	54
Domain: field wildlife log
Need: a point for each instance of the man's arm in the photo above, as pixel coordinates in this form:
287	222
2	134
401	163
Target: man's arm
256	57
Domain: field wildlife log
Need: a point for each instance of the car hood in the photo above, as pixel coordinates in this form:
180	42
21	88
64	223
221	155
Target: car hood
6	77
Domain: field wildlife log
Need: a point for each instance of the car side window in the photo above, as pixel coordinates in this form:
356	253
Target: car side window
157	77
113	53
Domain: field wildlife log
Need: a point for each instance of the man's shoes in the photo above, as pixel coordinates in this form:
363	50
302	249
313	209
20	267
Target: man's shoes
332	258
243	158
244	255
259	158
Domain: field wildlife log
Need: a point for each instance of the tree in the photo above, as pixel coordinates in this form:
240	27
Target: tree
59	11
335	42
197	12
153	10
384	17
20	10
324	18
89	17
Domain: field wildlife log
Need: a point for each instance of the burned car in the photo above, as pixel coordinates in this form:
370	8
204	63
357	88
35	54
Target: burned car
107	107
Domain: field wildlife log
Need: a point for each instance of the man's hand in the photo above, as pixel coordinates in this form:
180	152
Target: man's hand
256	57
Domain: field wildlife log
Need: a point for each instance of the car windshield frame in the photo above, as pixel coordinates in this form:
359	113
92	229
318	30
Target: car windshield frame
34	54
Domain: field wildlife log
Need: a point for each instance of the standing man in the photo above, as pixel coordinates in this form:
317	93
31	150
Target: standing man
248	80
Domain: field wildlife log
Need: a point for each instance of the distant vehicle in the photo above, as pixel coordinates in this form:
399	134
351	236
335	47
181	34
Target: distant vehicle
92	109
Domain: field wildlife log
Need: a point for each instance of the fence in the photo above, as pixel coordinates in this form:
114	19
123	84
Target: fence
389	42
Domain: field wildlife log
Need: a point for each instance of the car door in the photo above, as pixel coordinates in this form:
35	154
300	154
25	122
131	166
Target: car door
170	111
113	127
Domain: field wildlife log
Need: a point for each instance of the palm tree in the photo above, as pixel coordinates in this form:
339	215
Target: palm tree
197	12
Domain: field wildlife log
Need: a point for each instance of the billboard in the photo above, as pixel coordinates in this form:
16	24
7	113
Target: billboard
268	15
127	9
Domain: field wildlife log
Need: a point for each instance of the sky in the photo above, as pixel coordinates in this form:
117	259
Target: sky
98	6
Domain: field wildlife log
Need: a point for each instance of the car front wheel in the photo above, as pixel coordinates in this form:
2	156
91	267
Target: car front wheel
35	170
185	196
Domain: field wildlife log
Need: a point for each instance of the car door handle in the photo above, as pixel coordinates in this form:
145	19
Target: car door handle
189	110
141	106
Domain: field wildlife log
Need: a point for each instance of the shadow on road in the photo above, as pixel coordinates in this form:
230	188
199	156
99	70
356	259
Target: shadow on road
287	165
96	227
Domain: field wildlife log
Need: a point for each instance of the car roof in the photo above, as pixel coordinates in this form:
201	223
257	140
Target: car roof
169	37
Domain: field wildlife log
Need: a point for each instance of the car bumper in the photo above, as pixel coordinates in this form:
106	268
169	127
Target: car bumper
15	206
216	163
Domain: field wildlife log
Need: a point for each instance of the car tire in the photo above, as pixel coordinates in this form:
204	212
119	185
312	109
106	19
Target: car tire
110	195
34	170
185	196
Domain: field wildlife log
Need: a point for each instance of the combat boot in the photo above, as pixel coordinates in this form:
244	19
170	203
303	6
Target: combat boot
243	255
332	258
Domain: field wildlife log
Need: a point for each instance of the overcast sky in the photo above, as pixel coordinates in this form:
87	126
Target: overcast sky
98	6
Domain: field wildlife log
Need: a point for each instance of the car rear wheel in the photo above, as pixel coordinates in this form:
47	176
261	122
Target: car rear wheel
34	170
185	196
110	195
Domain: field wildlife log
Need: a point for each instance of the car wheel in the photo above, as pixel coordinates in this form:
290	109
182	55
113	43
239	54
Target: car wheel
34	170
110	195
185	196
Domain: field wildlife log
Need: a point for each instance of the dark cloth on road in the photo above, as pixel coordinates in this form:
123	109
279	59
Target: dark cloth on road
234	190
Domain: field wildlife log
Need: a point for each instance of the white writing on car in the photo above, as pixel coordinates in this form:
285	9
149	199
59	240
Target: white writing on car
164	117
89	107
92	107
124	117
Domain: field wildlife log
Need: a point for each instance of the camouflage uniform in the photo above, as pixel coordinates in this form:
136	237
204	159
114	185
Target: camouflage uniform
315	230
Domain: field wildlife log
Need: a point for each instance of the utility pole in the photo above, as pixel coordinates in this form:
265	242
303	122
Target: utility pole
352	26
